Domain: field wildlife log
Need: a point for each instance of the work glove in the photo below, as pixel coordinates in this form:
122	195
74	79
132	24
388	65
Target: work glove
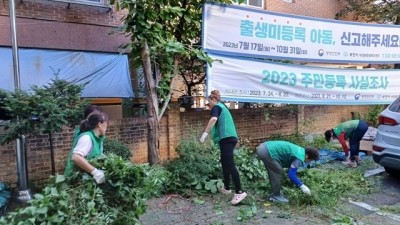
98	176
203	137
305	189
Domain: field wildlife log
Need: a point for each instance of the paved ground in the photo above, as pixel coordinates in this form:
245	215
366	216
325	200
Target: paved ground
216	210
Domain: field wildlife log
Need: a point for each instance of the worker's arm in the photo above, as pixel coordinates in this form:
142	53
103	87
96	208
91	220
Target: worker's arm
82	163
210	124
292	173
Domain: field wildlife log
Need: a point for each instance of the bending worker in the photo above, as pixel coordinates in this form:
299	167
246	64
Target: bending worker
277	155
352	130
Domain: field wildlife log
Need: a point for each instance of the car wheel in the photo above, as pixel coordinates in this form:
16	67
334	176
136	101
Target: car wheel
392	172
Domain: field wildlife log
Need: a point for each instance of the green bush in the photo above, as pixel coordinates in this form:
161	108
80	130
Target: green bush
372	115
197	167
252	171
121	200
112	146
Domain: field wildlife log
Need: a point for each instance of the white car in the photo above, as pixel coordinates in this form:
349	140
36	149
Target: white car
386	147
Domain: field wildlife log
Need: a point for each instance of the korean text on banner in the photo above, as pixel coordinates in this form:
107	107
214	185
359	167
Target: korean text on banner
250	80
235	30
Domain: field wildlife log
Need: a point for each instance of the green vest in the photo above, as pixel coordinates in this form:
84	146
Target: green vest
76	134
347	127
283	152
224	127
97	150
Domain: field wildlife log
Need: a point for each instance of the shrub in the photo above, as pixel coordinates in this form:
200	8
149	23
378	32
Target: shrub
252	171
372	115
112	146
121	200
197	167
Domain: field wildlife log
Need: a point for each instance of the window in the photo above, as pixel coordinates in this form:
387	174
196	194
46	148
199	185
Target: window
253	3
85	2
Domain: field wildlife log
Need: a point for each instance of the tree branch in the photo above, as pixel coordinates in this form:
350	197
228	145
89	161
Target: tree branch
171	87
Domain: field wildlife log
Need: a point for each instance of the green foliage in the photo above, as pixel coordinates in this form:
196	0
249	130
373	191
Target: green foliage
121	200
327	185
197	167
344	220
112	146
252	170
372	115
45	109
172	30
248	213
373	11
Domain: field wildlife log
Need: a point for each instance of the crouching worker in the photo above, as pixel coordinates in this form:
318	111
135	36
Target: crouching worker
277	155
89	145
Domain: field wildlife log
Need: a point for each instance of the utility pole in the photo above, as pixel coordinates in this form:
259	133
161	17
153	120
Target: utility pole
24	194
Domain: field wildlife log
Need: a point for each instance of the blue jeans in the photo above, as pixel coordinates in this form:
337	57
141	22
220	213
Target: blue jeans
355	139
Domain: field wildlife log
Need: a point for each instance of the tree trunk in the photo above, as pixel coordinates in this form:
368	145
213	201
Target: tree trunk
152	108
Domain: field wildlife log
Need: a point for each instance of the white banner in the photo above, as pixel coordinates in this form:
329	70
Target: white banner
235	30
250	80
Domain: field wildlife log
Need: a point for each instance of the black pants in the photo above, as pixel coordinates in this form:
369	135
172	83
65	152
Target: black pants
355	139
228	165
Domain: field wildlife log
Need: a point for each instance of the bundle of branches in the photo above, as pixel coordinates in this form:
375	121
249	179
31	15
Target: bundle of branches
121	200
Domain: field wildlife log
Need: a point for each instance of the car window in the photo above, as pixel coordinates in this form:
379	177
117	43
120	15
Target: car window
395	106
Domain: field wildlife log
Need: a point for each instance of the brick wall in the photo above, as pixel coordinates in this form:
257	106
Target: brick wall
59	11
314	8
50	24
253	125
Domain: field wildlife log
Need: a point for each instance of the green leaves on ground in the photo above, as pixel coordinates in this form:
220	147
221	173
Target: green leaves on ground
197	167
247	213
121	200
327	186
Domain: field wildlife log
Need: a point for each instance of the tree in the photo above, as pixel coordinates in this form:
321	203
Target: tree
380	11
193	74
162	32
43	110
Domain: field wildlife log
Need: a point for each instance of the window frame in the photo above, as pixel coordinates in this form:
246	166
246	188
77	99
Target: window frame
101	3
246	3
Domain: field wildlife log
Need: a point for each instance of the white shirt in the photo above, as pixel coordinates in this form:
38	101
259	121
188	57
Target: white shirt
84	146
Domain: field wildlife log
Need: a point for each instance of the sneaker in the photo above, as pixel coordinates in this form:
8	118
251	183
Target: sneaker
225	191
238	198
350	164
278	198
358	160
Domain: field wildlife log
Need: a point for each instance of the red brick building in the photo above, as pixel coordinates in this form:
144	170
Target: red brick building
73	25
63	24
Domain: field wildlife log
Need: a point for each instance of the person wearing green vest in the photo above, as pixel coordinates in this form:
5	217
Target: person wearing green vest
89	145
277	155
352	130
224	134
88	109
